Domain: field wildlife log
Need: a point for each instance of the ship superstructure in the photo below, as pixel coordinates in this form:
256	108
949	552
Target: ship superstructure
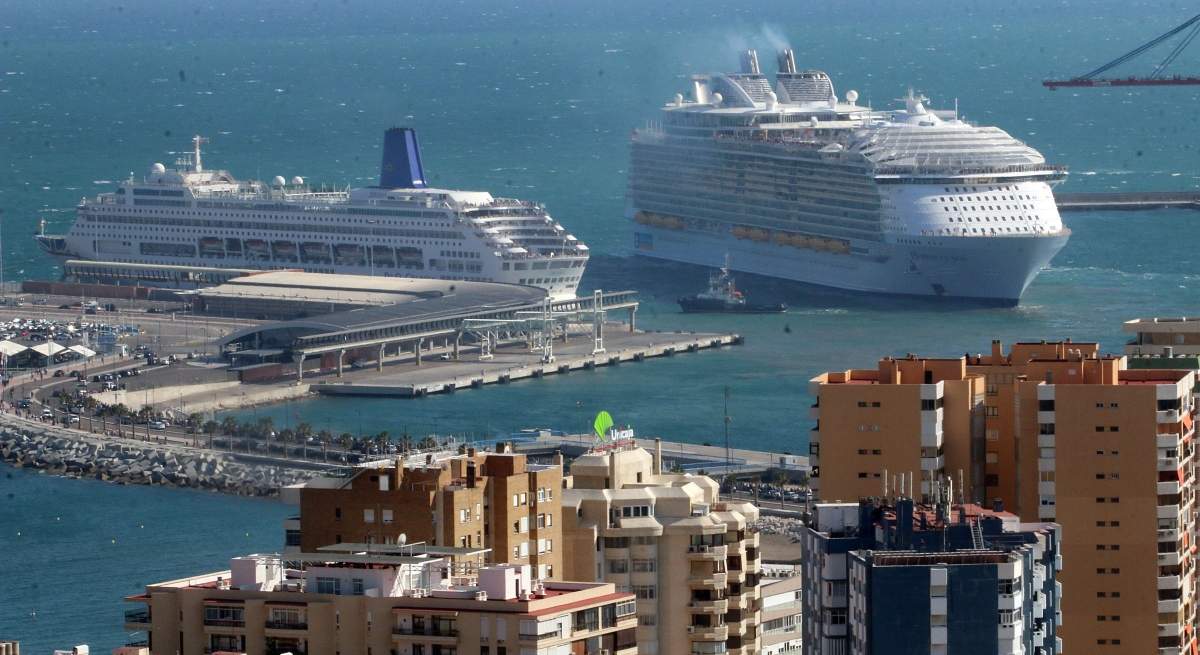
796	183
190	215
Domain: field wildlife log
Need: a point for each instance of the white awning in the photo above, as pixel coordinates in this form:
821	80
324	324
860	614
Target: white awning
47	349
84	351
10	348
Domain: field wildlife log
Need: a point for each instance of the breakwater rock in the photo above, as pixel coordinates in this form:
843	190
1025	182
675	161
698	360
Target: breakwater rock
123	462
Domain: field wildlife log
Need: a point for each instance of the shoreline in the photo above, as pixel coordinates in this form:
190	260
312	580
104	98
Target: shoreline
119	461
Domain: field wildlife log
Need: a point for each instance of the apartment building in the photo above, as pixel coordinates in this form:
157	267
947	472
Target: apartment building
781	616
901	578
411	604
1163	336
691	560
1068	436
914	418
497	500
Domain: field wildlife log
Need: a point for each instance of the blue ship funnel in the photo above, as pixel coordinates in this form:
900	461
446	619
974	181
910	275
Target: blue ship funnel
401	168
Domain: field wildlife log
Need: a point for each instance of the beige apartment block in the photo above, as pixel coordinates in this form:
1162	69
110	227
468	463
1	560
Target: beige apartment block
475	499
382	604
781	620
1163	336
1074	437
691	560
911	421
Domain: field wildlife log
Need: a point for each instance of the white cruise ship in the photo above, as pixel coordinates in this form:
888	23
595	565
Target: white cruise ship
793	183
194	216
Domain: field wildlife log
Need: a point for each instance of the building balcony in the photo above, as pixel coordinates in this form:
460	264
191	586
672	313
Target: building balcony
1011	632
1168	534
1168	512
1168	581
1170	559
708	581
1170	650
429	634
709	606
139	619
1045	464
1011	601
736	575
224	625
1045	441
933	463
741	602
286	626
1170	487
939	635
937	606
1045	417
1168	629
1167	440
1169	606
700	552
708	632
1167	416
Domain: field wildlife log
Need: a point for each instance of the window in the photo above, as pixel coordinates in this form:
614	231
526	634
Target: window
836	616
388	517
618	566
644	592
329	586
368	516
463	516
644	565
356	587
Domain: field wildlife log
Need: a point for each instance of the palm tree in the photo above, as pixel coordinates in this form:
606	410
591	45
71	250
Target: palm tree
209	428
229	426
427	443
326	437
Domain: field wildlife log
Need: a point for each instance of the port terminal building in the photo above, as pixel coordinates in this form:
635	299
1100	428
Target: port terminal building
325	322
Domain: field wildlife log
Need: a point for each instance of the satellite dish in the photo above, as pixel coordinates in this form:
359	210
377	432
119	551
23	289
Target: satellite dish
716	99
298	181
403	538
852	96
278	181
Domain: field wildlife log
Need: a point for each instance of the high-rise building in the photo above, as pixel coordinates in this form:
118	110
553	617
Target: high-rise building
906	579
914	418
781	617
398	601
692	560
1067	438
475	499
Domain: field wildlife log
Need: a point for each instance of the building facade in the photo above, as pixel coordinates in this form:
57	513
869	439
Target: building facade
916	418
691	560
382	604
475	499
781	616
909	579
1067	438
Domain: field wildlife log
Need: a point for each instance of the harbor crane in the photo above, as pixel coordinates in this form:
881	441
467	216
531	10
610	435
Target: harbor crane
1190	28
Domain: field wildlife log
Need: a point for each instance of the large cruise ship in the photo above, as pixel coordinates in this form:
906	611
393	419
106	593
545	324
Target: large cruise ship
193	216
792	182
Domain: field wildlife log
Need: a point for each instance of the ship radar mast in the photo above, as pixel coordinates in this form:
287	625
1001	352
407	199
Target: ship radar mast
197	167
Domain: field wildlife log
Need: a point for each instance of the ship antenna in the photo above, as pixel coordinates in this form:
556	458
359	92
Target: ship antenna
196	141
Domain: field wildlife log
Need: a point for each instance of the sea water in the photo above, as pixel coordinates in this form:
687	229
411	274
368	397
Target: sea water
537	101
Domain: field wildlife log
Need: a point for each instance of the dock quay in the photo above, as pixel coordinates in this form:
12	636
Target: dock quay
1127	201
515	362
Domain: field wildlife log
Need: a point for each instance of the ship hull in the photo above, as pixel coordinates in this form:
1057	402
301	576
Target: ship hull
993	270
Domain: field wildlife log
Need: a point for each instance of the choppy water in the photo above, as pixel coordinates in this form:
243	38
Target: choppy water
537	101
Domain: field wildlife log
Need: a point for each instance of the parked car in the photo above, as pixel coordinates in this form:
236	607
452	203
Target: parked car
157	425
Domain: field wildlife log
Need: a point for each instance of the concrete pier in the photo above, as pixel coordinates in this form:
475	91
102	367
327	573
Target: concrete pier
515	362
1128	201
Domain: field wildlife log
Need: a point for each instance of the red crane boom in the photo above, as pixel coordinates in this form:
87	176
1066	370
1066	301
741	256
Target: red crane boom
1091	79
